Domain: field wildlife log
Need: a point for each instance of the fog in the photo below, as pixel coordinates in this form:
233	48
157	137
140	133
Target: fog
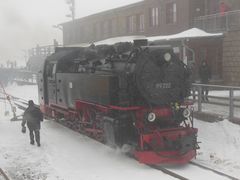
26	23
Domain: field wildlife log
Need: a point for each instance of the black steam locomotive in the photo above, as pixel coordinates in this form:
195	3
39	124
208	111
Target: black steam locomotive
123	94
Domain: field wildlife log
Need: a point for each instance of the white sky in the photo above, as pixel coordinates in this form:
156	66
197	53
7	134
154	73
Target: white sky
25	23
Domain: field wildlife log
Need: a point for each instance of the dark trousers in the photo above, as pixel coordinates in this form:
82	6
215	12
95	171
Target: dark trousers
37	135
205	93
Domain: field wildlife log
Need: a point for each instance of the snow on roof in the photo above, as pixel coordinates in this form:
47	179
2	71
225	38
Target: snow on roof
79	45
191	33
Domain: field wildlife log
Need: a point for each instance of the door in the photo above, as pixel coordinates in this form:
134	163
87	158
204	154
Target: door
51	88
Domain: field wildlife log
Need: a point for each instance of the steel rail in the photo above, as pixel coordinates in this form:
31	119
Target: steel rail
213	170
164	170
4	174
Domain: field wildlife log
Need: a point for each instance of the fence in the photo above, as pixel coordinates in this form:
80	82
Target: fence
41	51
219	22
231	101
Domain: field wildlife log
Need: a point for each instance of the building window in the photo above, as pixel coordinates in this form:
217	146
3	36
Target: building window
141	23
67	35
154	16
130	23
97	31
114	27
83	33
71	36
105	29
171	13
110	28
78	33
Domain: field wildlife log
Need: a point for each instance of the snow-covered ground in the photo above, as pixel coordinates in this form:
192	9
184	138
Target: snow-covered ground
67	155
222	111
220	146
224	93
28	92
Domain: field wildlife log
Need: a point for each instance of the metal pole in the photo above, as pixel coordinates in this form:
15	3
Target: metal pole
72	7
189	49
193	92
199	99
215	24
73	10
227	21
231	104
204	25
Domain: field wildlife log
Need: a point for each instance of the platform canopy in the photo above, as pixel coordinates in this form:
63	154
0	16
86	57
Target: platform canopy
188	34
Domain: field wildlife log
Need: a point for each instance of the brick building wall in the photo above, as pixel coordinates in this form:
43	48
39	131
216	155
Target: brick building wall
100	26
158	17
231	58
115	22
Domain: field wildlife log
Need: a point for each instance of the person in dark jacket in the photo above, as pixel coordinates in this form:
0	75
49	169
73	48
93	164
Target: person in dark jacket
205	76
33	117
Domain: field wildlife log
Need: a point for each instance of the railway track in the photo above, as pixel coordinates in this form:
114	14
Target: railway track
3	175
215	171
183	173
176	172
168	172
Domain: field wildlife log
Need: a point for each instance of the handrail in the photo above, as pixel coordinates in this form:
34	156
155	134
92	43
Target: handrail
231	99
217	86
41	50
217	14
219	22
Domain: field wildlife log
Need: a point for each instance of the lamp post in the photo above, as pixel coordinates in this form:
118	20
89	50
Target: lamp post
58	27
71	4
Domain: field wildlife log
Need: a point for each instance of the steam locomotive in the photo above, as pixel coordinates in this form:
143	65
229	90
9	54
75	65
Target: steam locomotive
126	94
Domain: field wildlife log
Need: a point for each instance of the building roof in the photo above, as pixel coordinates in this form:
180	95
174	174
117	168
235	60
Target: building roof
188	34
109	11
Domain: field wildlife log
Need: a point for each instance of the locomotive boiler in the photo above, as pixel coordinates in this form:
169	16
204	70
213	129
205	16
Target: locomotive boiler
123	94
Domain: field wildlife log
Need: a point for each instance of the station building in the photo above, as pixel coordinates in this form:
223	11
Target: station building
165	17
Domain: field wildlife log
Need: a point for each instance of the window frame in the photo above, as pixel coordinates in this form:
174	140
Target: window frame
154	16
171	13
131	23
141	21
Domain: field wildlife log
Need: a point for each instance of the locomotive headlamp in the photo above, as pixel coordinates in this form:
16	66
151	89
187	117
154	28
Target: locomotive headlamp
167	57
186	113
151	117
